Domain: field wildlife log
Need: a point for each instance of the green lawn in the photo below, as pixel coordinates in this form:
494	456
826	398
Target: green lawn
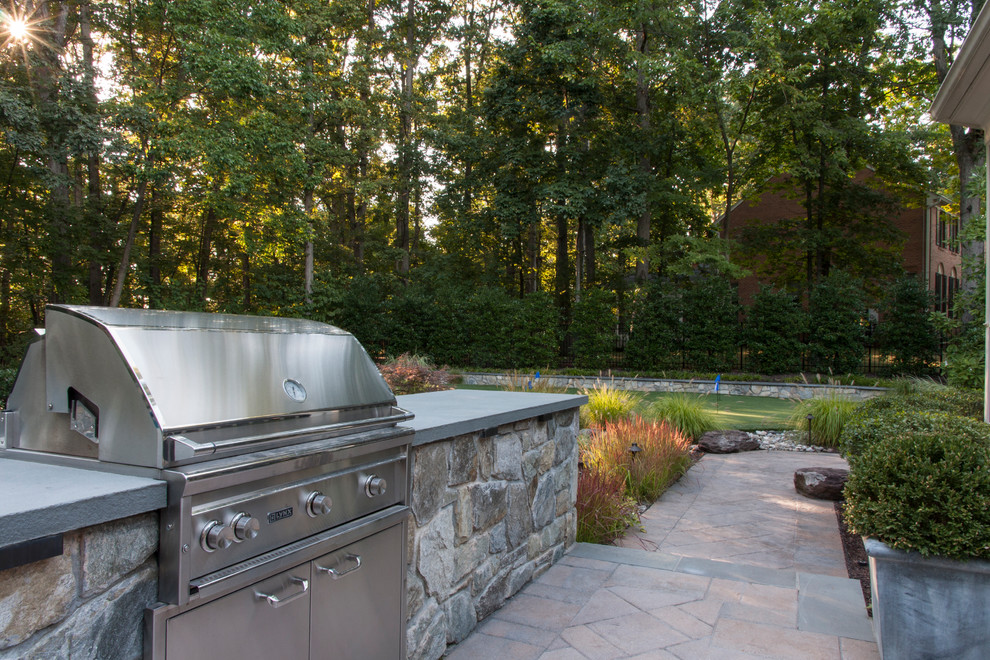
745	413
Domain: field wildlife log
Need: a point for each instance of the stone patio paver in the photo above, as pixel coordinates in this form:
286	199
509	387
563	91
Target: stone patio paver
732	565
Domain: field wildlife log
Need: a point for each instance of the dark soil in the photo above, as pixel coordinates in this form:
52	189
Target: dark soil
857	565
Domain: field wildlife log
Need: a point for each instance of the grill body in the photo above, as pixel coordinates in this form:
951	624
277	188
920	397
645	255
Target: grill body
287	471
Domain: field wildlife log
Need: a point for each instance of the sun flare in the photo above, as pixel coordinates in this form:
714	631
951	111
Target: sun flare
17	28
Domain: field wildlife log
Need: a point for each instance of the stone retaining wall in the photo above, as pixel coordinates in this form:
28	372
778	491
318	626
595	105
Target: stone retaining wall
87	603
773	390
491	511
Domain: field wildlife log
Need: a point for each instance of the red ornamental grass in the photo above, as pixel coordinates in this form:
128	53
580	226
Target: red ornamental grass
663	457
603	509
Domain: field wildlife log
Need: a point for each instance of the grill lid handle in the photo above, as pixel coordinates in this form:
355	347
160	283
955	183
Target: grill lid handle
179	447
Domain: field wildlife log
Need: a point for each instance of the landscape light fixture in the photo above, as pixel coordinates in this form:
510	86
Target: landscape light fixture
634	450
810	416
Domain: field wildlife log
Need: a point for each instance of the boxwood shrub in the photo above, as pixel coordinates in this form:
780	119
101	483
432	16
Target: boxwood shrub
936	410
923	491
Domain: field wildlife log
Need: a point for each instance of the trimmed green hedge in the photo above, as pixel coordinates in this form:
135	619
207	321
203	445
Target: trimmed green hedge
928	492
939	410
920	473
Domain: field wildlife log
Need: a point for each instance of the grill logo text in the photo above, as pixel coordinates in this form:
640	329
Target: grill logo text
281	514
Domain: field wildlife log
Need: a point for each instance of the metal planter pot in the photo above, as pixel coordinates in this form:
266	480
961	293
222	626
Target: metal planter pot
929	607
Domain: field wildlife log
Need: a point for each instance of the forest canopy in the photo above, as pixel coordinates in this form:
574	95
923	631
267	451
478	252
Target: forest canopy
274	157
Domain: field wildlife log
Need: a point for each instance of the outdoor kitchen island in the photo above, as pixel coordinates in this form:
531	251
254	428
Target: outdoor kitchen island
494	479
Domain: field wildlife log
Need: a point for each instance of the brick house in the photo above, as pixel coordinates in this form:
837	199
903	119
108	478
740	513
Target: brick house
930	247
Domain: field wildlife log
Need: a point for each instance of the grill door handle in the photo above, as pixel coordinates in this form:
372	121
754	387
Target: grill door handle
279	601
335	571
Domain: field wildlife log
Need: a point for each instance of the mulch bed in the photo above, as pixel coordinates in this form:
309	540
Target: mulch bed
857	564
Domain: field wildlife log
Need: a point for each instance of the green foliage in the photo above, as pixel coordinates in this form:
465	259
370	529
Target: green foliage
923	408
607	404
532	328
923	491
687	414
964	364
7	377
593	328
655	326
836	329
774	324
870	424
663	456
830	414
710	324
905	330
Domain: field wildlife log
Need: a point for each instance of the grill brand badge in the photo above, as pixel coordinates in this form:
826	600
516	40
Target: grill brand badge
281	514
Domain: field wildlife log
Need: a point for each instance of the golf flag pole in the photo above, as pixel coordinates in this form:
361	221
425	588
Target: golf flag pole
718	379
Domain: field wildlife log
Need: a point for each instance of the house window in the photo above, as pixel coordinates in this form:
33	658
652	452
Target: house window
940	290
940	229
953	287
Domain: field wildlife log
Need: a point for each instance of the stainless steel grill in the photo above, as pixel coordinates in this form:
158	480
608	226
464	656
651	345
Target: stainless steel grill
287	473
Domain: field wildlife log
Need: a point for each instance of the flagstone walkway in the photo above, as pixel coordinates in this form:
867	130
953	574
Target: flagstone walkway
731	563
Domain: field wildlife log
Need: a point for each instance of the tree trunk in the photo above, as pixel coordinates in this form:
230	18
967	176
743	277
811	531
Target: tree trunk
309	255
645	166
533	258
246	280
94	203
44	78
125	259
405	144
155	248
205	250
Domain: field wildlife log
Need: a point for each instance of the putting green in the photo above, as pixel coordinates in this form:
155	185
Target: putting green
745	413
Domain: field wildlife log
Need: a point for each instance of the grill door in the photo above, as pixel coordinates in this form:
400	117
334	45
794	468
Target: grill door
358	592
269	619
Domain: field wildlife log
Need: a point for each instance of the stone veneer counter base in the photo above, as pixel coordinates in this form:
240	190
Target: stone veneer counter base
494	482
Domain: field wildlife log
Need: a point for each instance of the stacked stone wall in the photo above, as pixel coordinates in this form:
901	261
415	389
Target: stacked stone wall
491	511
773	390
88	602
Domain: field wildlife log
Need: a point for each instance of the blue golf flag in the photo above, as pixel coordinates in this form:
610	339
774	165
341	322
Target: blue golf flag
718	379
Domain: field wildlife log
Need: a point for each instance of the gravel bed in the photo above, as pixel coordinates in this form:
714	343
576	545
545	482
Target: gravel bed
786	441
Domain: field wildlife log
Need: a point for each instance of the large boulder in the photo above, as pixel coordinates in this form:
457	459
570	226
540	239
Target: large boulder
727	442
821	483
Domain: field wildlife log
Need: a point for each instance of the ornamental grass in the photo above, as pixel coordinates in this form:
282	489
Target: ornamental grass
604	511
663	456
829	415
687	414
516	381
607	403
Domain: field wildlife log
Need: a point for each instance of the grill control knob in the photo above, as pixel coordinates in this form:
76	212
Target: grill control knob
375	486
318	504
245	526
217	536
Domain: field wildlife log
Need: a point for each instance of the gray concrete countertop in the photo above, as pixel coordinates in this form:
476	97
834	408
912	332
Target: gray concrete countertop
447	414
39	499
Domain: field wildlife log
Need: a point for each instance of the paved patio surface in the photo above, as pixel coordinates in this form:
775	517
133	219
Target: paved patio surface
731	563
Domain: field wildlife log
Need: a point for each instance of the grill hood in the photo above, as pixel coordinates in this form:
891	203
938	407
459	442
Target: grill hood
155	388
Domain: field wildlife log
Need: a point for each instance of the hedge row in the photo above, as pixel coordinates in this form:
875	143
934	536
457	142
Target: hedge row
670	324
